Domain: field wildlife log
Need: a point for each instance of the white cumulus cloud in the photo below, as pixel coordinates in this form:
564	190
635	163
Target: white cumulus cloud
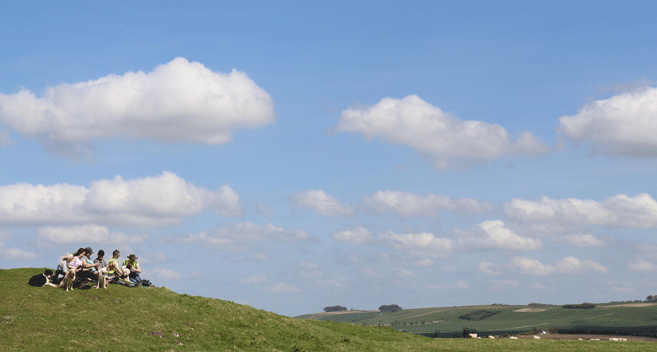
18	254
494	234
357	236
87	234
623	125
321	203
180	101
448	141
144	202
489	268
418	243
407	205
244	237
567	266
642	265
620	210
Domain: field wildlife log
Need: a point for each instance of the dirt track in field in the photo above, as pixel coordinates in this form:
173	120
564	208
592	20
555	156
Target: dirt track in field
635	305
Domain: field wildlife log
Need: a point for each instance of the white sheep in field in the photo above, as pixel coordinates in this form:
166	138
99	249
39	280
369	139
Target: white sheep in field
537	337
513	338
474	336
613	339
491	336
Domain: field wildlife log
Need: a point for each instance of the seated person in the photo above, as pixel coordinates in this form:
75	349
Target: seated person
62	268
78	265
76	262
100	260
132	265
87	263
115	267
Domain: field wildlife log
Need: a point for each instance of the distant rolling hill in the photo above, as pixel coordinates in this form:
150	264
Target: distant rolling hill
609	318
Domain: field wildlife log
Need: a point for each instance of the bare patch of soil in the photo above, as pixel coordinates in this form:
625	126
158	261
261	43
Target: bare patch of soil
530	310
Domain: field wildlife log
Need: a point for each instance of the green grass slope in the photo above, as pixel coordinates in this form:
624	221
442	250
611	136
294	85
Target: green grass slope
157	319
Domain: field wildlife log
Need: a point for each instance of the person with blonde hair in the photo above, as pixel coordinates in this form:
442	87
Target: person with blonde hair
62	268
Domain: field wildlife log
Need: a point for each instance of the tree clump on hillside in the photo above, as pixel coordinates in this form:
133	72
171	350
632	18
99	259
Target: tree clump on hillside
538	304
584	305
390	308
335	309
478	315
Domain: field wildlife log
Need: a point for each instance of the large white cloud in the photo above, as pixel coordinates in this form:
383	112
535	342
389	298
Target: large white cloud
623	125
321	203
620	210
244	237
180	101
448	141
494	234
408	205
88	233
567	265
151	201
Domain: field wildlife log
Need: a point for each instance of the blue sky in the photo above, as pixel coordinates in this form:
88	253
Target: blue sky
293	156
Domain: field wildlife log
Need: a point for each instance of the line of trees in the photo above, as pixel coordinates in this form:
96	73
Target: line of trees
584	305
335	309
390	308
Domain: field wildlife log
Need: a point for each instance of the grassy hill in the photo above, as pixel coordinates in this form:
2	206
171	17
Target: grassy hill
626	320
157	319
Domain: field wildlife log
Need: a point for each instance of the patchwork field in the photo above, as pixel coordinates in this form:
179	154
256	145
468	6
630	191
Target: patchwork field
625	319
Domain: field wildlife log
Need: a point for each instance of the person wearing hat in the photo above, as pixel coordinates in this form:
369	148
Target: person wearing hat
132	265
87	263
78	264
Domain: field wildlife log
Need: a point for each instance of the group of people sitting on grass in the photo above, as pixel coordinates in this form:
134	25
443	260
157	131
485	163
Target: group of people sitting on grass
77	270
